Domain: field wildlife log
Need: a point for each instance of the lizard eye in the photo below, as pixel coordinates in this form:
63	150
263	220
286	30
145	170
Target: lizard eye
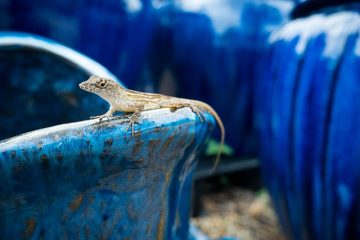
102	84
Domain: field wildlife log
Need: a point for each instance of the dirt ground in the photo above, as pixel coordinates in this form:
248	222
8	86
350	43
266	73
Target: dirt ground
239	213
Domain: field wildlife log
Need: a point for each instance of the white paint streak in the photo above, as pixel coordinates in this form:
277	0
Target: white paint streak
336	27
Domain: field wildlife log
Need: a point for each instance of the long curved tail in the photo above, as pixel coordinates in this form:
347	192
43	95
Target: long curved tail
222	129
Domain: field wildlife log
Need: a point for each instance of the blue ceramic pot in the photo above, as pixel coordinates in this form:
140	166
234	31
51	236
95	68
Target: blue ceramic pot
311	124
87	180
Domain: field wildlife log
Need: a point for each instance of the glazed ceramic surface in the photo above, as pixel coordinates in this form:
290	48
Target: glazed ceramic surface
88	180
310	131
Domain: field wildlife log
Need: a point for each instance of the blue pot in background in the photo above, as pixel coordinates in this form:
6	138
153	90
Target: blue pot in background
309	121
213	48
115	33
204	50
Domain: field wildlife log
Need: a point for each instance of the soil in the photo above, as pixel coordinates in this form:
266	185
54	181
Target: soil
240	213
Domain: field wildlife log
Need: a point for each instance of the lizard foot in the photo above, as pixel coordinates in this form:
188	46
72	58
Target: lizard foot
101	117
132	119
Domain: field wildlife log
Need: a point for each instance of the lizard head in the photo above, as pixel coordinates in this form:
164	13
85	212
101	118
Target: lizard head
104	87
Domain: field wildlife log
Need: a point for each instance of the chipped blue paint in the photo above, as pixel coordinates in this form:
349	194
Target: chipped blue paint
310	150
91	181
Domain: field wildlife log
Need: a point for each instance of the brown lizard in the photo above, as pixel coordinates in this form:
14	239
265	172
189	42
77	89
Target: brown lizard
129	101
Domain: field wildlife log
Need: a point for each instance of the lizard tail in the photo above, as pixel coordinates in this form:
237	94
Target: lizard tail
222	140
222	129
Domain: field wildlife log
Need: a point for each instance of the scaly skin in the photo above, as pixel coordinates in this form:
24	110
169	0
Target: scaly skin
129	101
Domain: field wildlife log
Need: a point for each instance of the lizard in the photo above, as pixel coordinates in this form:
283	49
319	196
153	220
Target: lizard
125	100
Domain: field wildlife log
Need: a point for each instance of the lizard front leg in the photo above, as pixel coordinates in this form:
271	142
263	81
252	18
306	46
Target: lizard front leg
131	118
107	115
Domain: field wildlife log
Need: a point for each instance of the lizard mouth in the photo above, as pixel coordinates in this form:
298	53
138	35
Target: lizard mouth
82	86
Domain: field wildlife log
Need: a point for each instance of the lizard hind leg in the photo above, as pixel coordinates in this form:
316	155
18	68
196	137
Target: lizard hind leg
198	113
133	119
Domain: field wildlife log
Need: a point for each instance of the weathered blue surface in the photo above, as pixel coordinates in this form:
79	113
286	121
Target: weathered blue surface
310	125
39	84
208	49
87	180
